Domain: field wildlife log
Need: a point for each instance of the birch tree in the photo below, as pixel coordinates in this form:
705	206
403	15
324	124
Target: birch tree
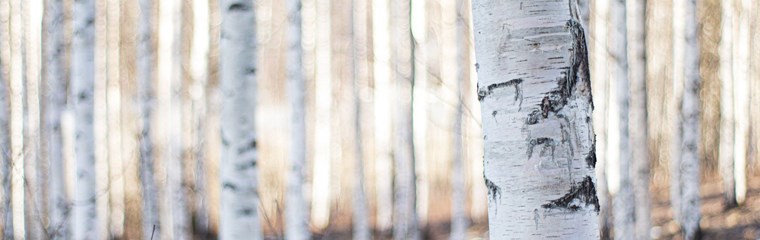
622	202
361	229
199	65
297	221
741	97
636	21
458	196
58	204
239	218
688	161
145	74
535	96
6	213
726	144
404	190
84	211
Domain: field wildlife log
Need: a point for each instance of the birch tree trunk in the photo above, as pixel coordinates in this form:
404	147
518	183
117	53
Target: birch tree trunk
240	197
33	168
601	93
741	98
6	213
361	230
297	221
199	65
151	229
726	150
85	218
404	190
535	96
636	21
623	213
458	196
688	130
58	203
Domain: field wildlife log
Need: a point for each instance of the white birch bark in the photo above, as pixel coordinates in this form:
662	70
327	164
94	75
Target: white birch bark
34	171
360	218
321	185
726	144
741	98
116	173
6	213
458	193
688	161
16	128
84	212
601	85
296	217
636	21
58	202
199	71
623	201
535	95
239	178
404	190
675	107
151	229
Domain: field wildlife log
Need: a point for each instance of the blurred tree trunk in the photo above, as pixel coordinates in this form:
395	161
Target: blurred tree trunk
726	146
601	93
296	209
239	172
741	96
404	190
361	230
636	21
688	128
151	228
623	201
84	211
459	189
539	162
58	203
34	171
6	213
199	65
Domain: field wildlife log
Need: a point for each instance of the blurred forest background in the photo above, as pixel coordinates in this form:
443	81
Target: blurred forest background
336	35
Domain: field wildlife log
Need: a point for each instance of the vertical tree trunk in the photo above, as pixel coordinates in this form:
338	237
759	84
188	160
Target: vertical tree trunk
636	21
404	190
726	150
16	125
601	85
535	96
689	123
297	221
85	219
199	65
116	173
459	196
6	213
623	212
34	171
741	98
58	203
361	230
240	195
151	229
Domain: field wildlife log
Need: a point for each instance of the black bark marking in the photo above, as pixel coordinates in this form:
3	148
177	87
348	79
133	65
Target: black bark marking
484	92
244	166
493	190
83	96
238	7
539	141
477	67
580	195
579	68
591	157
250	70
246	212
230	186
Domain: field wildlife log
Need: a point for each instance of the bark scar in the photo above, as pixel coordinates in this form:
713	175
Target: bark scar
580	195
517	83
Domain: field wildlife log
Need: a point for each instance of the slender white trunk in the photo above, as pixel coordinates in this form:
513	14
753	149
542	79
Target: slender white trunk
404	190
458	195
601	85
16	128
636	20
151	229
199	65
361	230
688	130
623	201
85	220
675	107
536	103
34	171
239	218
321	186
6	214
755	87
296	218
113	88
741	98
58	202
726	145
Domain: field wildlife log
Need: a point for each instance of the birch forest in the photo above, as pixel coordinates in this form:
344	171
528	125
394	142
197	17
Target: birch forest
379	119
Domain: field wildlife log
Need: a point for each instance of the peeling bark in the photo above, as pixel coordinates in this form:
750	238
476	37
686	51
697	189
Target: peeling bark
239	218
539	163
